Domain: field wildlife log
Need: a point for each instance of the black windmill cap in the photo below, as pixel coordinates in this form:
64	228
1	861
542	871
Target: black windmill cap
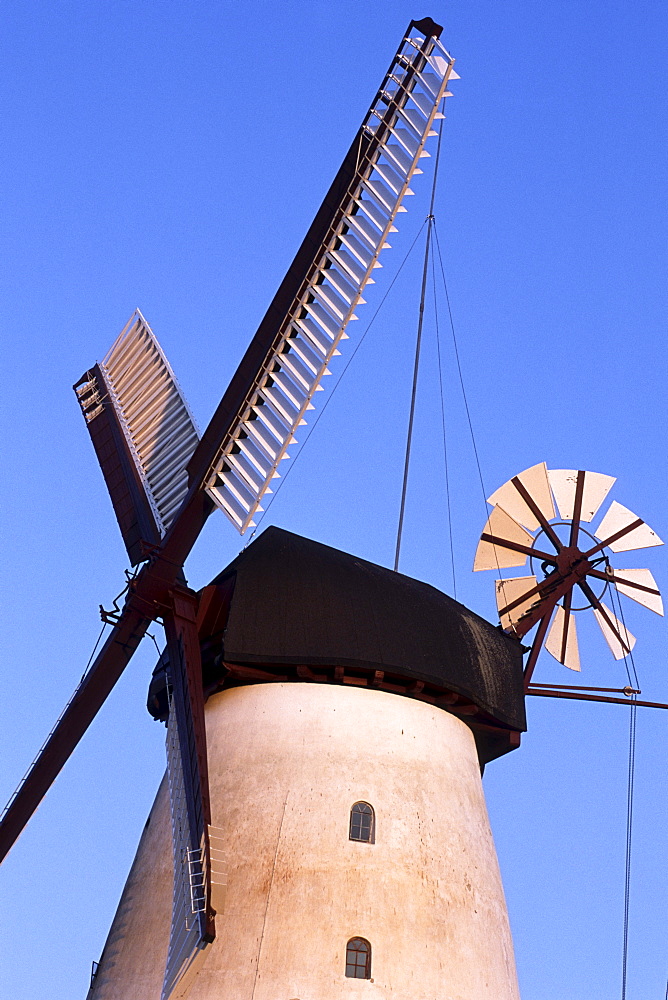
297	601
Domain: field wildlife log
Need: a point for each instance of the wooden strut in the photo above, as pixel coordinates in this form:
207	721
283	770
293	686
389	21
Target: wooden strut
628	691
73	723
538	641
546	693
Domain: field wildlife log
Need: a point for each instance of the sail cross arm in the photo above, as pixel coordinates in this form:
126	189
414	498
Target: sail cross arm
273	388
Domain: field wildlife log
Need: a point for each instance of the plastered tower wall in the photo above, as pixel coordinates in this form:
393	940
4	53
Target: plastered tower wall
287	762
135	953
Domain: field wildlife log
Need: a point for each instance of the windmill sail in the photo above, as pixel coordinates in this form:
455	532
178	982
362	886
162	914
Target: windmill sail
562	639
164	484
504	543
187	933
301	332
143	434
622	530
192	926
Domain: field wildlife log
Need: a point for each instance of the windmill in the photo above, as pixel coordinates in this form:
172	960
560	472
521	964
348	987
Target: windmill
543	509
165	481
149	504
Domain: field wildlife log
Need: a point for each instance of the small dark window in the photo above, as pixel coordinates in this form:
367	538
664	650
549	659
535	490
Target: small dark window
362	823
358	959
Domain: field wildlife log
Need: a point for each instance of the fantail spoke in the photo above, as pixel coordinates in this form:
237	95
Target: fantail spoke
621	530
513	500
562	640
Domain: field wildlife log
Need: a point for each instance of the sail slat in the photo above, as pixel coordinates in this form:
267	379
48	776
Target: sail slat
154	415
343	246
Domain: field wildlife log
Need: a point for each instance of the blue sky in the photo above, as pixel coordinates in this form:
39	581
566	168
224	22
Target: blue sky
171	157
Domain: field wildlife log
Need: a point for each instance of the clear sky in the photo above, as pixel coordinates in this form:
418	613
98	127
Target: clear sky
171	156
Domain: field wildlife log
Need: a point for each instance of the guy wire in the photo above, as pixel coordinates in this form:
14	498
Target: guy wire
416	369
445	443
464	396
418	344
630	789
459	368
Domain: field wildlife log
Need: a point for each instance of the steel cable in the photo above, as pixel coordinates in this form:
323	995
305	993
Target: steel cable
629	835
445	443
416	372
630	789
461	383
418	345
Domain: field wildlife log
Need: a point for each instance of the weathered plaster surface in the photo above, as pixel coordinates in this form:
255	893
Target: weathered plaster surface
287	761
133	961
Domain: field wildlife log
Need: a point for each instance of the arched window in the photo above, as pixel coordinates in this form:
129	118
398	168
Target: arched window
362	823
358	959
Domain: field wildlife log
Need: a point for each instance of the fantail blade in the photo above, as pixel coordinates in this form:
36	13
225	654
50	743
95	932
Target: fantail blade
562	639
512	590
640	586
496	555
618	518
564	485
617	636
536	484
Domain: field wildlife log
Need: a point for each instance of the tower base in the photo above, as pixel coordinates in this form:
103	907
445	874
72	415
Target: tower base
287	763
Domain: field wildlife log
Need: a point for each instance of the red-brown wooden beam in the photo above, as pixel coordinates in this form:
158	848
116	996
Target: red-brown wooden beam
620	579
613	538
185	672
577	508
527	550
548	611
537	512
75	720
150	594
595	697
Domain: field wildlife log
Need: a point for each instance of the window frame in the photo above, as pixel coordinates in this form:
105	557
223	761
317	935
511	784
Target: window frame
371	839
355	952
